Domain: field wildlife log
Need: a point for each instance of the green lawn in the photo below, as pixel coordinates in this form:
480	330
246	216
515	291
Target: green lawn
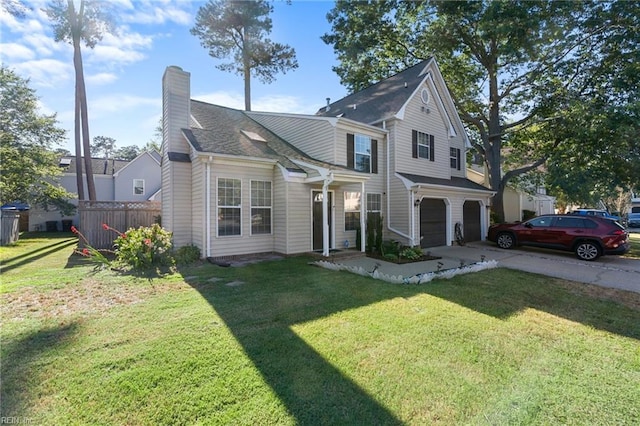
283	342
635	246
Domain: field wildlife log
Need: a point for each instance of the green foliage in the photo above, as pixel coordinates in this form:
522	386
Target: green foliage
379	233
528	214
392	257
371	233
144	248
567	70
28	169
187	255
358	239
240	29
103	146
411	253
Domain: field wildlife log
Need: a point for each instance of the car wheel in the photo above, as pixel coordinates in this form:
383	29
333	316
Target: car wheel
587	250
505	240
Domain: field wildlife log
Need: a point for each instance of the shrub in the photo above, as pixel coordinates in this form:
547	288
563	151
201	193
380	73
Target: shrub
411	253
186	255
371	236
391	257
379	230
528	214
144	247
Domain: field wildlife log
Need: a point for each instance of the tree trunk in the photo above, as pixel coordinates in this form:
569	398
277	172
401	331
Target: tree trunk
246	70
79	181
493	144
82	93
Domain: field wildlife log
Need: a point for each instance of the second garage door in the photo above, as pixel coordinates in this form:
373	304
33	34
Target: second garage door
471	219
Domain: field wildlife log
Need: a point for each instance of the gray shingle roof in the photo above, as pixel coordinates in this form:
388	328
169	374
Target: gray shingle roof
456	182
378	101
100	166
222	133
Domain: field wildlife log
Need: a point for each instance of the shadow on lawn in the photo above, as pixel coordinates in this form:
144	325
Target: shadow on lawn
34	255
261	315
22	360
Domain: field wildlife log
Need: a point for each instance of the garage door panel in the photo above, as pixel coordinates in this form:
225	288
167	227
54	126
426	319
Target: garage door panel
471	219
433	223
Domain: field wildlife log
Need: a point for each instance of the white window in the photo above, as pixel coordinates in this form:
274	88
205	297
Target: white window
229	207
374	205
138	186
363	153
351	211
454	155
260	207
423	145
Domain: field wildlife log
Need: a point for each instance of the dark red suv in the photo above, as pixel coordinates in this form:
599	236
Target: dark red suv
589	237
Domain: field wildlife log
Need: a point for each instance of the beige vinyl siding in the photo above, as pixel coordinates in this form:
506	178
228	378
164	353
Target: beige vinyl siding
398	199
313	136
432	124
198	204
280	212
299	218
245	243
180	203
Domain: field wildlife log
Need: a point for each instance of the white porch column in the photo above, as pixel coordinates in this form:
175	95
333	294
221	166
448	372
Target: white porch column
363	205
325	218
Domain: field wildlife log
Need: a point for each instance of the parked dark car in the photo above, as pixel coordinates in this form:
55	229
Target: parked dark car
633	220
589	237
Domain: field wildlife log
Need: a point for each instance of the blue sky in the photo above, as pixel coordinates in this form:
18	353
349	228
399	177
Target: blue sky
123	73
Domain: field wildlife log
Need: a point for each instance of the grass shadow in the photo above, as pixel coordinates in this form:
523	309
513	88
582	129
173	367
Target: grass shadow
20	361
34	255
261	316
488	293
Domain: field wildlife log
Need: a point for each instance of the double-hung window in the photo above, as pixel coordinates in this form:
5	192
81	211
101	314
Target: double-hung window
422	145
362	153
454	154
138	186
374	205
260	207
351	211
229	207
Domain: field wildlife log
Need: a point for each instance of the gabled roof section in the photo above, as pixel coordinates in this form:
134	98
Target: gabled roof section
379	101
229	131
149	154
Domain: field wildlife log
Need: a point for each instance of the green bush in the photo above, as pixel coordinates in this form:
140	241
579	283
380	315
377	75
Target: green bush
144	248
411	253
186	255
391	257
528	214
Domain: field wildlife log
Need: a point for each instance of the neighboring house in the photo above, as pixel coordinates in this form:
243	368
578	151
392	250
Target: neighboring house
516	201
635	202
115	180
236	182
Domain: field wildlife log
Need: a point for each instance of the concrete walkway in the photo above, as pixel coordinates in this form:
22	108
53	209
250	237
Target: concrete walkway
607	271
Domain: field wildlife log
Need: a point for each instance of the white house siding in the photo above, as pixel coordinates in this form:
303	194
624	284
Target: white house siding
245	243
399	210
431	123
143	167
299	218
198	176
313	136
280	212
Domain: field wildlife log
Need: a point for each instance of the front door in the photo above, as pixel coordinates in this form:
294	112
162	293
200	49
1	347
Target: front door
317	219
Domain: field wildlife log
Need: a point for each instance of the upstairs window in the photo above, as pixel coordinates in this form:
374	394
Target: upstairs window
422	145
138	186
362	153
454	153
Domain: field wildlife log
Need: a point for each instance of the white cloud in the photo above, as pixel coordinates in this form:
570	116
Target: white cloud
273	103
119	102
113	55
16	52
160	12
46	72
101	78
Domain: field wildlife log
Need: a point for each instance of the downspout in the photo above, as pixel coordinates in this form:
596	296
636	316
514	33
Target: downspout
208	209
413	217
402	234
325	219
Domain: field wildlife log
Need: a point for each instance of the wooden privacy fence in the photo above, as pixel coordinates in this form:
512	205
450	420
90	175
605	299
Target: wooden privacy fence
120	215
10	230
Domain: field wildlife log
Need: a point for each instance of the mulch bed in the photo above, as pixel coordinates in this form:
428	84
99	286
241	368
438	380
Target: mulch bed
403	260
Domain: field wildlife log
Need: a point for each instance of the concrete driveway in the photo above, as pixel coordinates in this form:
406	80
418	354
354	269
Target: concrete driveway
607	271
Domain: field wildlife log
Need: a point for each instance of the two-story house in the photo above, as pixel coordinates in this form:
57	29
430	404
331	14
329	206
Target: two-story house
237	182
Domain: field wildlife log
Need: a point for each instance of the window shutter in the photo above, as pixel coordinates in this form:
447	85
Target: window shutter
432	152
374	156
350	150
459	158
414	143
